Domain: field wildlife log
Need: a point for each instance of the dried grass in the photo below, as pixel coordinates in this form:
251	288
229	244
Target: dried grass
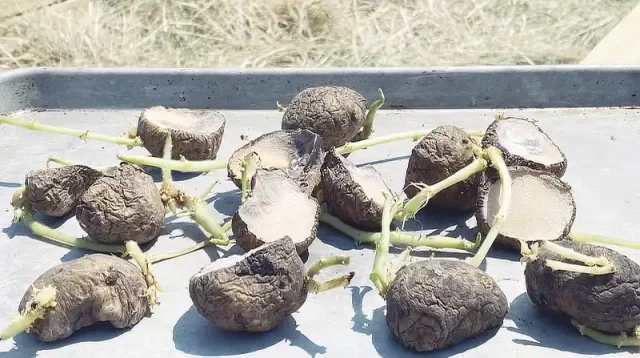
308	33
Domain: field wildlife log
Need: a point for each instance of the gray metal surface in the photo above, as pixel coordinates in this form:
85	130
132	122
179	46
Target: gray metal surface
600	144
432	88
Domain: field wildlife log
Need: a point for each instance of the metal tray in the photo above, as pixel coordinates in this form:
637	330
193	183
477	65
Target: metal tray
588	111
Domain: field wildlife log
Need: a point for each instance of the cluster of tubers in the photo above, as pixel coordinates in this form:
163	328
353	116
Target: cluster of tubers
294	178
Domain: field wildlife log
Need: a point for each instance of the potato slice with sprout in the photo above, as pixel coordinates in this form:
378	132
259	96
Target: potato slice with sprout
298	152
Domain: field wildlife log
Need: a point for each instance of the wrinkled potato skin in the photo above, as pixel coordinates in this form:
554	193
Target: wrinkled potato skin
437	156
192	146
335	113
257	293
55	191
345	197
433	304
120	206
491	139
608	303
93	288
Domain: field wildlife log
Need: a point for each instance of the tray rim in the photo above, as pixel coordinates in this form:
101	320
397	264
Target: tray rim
443	87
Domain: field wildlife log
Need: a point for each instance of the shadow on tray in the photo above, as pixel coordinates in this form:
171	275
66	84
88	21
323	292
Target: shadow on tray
156	174
5	184
193	334
383	161
386	344
27	345
543	330
226	203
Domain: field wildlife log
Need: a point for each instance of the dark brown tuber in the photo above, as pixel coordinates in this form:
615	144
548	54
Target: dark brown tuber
437	156
524	143
122	205
256	291
607	302
55	191
78	293
196	134
542	206
353	194
276	207
335	113
253	292
436	303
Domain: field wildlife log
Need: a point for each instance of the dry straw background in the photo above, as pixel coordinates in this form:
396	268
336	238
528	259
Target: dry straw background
307	33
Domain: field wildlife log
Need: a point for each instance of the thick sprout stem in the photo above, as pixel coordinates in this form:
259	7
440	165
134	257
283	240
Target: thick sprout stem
181	165
200	215
421	199
208	190
621	340
39	229
174	198
367	127
379	275
65	162
604	240
167	181
153	287
495	156
591	270
212	241
18	201
84	135
250	164
398	238
326	262
342	281
227	226
364	144
172	255
570	254
399	262
41	299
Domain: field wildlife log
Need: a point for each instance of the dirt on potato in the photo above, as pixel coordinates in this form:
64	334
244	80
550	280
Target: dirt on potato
90	289
55	192
122	205
608	303
436	303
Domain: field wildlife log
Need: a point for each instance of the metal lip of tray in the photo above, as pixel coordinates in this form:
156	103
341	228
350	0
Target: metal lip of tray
591	112
412	88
